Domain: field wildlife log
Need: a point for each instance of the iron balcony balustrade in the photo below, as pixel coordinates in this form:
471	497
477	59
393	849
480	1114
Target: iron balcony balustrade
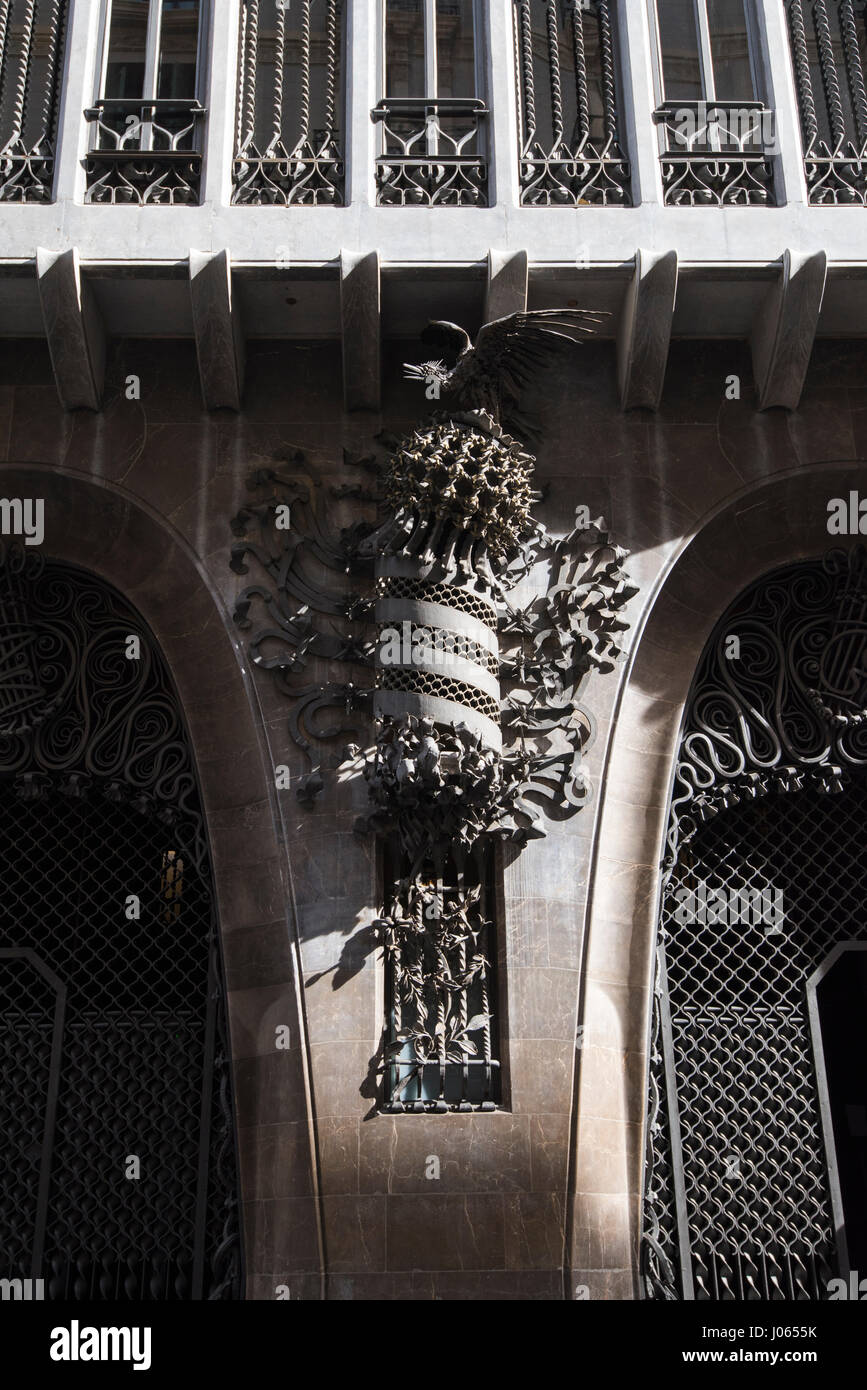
829	47
288	143
715	153
432	154
569	148
145	151
31	64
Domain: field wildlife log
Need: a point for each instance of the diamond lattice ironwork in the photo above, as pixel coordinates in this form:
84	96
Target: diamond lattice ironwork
112	1027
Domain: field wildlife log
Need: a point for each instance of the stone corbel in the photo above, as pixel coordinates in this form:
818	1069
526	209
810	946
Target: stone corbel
645	329
73	327
785	329
218	330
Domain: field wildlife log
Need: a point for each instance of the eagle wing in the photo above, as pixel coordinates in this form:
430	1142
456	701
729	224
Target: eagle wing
509	350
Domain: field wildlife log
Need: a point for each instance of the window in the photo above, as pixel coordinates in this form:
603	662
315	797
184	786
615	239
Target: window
568	85
710	84
32	41
829	53
431	116
147	119
289	148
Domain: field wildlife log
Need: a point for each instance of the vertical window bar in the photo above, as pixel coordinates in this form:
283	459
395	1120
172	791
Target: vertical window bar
528	82
609	95
582	96
21	83
829	76
801	60
151	72
554	74
854	69
431	75
279	63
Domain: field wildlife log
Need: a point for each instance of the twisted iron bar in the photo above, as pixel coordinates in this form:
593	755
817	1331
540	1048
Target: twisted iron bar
854	67
23	71
829	74
279	63
49	94
582	96
554	72
801	57
609	93
527	74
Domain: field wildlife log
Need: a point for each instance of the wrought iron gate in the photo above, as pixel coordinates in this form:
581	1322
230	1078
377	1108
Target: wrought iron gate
764	873
115	1098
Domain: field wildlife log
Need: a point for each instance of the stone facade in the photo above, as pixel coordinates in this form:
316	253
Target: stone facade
540	1199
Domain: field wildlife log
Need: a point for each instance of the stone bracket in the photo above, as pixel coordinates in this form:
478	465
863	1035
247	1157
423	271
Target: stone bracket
785	328
645	329
507	284
73	327
360	305
218	330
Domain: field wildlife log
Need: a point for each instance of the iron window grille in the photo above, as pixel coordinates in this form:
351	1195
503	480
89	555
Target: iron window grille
570	151
32	43
716	135
829	54
442	1036
431	118
113	1038
768	794
147	121
289	145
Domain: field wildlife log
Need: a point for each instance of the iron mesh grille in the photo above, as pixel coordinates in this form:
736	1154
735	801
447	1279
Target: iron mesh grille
758	1208
108	948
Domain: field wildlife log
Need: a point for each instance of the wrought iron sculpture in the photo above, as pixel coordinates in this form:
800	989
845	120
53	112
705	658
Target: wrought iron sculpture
570	152
145	152
32	38
736	1202
476	698
288	144
828	35
112	1029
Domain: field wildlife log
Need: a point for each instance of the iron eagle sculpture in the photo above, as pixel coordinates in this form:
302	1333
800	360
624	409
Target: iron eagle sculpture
491	374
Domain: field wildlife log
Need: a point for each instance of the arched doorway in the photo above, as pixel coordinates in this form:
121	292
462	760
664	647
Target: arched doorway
764	880
115	1091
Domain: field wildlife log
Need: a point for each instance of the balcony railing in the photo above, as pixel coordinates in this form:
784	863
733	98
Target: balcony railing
288	147
828	39
432	152
716	154
145	152
570	153
32	40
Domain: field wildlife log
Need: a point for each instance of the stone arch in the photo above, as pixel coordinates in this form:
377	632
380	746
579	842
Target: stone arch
767	526
100	529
